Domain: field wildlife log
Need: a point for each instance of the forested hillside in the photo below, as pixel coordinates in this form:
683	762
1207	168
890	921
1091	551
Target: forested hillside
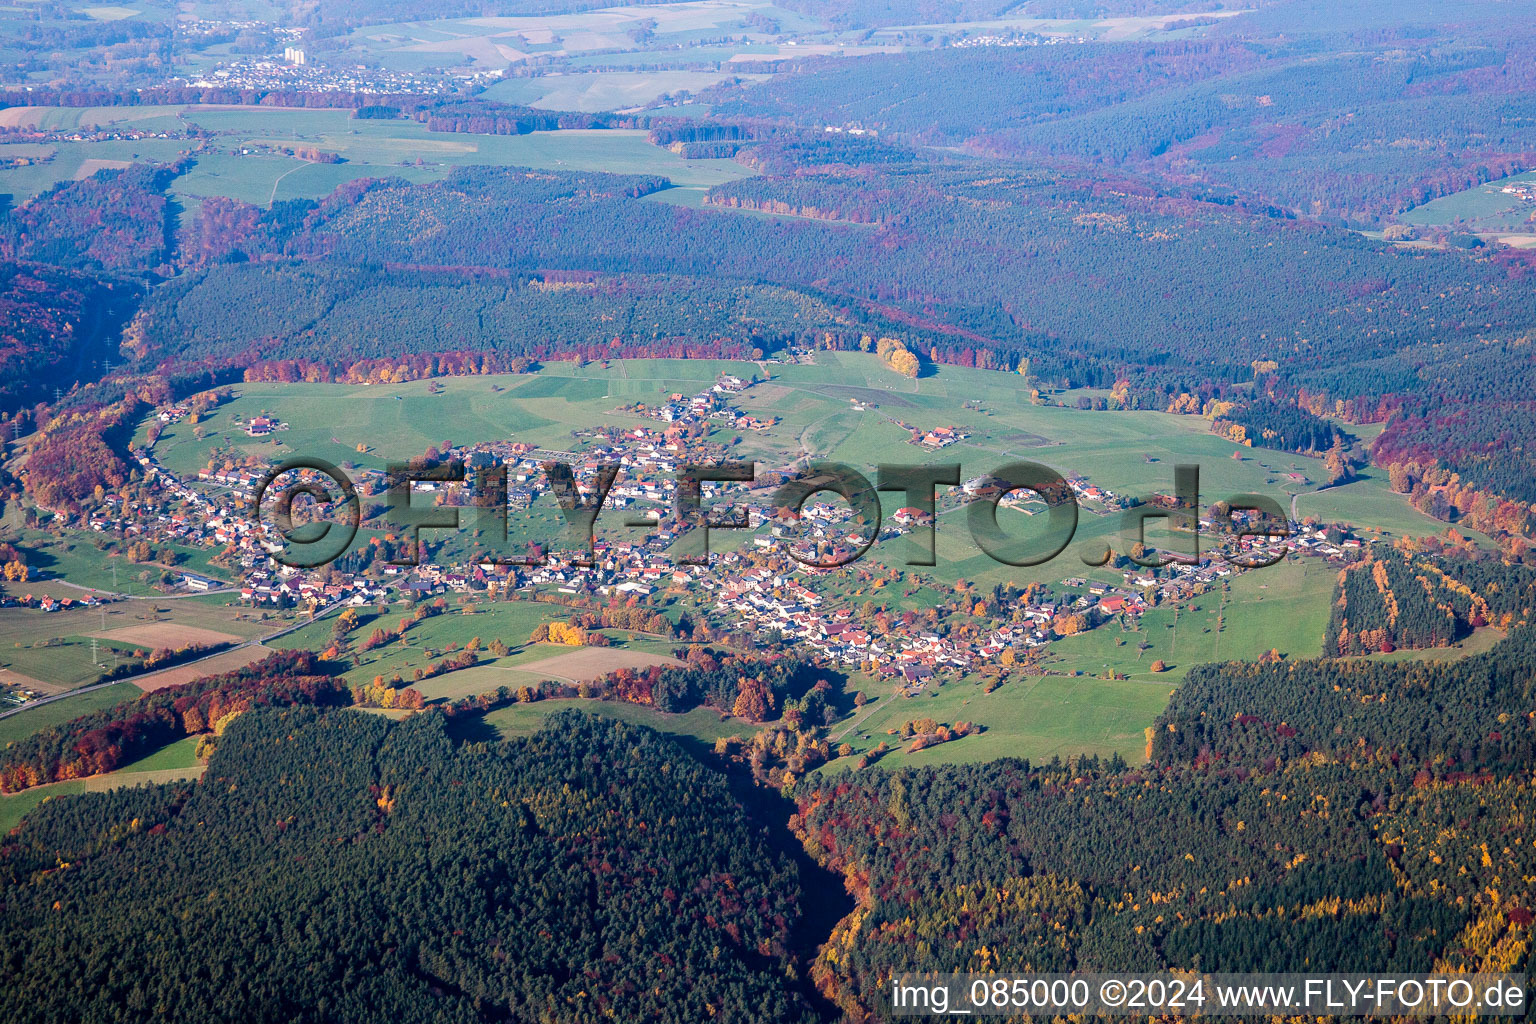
1354	816
1468	715
57	322
1012	264
1347	121
334	866
350	318
1400	599
115	220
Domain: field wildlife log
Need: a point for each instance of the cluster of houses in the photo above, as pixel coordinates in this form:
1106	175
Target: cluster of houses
733	591
277	73
49	603
1525	191
1012	39
713	402
263	426
770	603
286	587
938	437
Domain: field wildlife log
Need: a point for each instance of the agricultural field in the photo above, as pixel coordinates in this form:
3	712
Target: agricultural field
512	622
52	651
541	663
71	160
1158	27
647	34
217	664
148	116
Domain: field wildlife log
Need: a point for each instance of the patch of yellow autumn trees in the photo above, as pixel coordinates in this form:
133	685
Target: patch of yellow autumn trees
567	634
898	357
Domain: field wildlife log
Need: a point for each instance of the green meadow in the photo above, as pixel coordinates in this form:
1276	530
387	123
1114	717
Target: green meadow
241	160
181	753
1481	208
1038	717
15	727
1283	607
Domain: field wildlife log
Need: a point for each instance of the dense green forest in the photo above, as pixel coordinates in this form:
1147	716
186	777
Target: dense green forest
1396	598
337	866
1013	264
338	315
1467	715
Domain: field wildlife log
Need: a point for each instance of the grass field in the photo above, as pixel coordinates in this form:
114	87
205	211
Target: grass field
1036	717
69	158
1480	642
1370	505
611	90
1482	208
407	149
180	754
396	421
1284	607
15	727
239	162
511	622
